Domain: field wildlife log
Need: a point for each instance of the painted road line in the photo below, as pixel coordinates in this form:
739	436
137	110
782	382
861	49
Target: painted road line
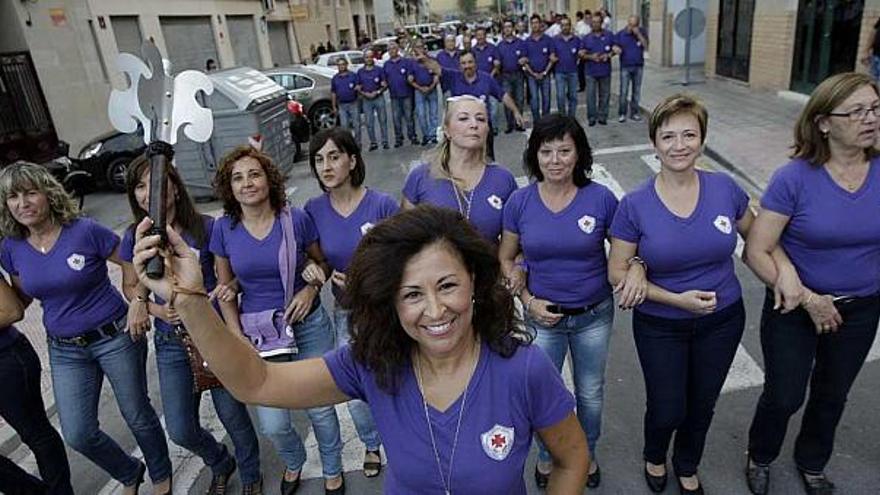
622	149
652	162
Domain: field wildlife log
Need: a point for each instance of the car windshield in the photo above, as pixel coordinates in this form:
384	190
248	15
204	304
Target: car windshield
356	58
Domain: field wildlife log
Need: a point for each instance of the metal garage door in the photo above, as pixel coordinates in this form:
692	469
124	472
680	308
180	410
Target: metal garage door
279	43
189	40
128	33
244	40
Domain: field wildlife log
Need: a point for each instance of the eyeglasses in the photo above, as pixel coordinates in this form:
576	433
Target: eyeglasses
858	114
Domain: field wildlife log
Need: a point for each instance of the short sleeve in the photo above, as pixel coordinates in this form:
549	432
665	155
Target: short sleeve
126	247
388	206
217	244
513	212
625	226
345	371
611	204
413	187
740	199
552	48
105	239
495	88
304	228
6	259
549	401
781	194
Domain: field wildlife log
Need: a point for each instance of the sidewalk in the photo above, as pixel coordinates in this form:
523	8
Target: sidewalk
750	131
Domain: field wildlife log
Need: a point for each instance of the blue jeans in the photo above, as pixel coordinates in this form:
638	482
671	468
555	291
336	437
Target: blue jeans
598	93
512	84
372	109
359	410
350	118
630	76
426	112
402	111
586	336
684	363
314	337
77	377
795	358
875	67
181	408
539	96
566	90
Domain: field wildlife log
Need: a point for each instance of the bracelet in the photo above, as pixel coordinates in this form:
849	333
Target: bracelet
636	259
141	299
176	289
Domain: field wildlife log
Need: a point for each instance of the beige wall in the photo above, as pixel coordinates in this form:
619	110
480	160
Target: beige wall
773	33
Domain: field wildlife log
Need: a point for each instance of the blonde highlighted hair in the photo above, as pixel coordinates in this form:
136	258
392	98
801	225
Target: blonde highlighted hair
438	158
22	177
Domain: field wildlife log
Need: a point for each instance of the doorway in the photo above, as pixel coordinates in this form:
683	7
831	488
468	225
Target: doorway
825	27
735	39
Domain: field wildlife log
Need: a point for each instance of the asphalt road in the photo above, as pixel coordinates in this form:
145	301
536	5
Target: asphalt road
624	159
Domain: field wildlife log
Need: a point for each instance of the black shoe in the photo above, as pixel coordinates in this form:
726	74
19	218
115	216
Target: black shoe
336	491
414	141
255	488
541	479
220	480
603	122
757	477
520	128
374	467
656	483
374	147
592	123
398	145
384	146
289	487
508	131
139	479
685	491
817	485
594	479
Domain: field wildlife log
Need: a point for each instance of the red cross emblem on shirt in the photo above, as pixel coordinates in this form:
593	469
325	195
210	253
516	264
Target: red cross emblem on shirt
498	441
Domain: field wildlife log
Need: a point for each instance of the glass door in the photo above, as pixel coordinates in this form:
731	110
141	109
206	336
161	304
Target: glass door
735	38
825	27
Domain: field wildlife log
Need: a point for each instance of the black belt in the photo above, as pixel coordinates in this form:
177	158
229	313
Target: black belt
572	311
109	329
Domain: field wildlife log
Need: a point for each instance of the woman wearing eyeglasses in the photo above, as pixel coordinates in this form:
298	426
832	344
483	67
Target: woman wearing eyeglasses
820	315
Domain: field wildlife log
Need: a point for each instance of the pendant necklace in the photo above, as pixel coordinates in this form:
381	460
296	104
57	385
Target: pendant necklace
446	480
468	199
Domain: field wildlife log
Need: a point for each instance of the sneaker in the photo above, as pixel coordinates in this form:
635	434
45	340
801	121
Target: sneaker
374	147
757	477
622	118
636	117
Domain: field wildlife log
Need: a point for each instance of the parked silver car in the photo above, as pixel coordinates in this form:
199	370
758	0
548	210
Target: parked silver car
309	87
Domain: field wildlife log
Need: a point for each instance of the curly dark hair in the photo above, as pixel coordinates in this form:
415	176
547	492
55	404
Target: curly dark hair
223	181
554	127
375	273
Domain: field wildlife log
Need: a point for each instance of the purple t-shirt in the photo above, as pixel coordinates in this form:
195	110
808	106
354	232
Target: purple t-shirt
396	73
567	51
447	61
70	281
255	261
487	198
693	253
486	56
508	400
340	235
632	52
206	260
833	235
538	51
483	86
422	75
565	251
510	51
370	79
598	43
343	85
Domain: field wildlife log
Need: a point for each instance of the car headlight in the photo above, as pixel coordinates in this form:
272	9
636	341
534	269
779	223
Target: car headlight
90	150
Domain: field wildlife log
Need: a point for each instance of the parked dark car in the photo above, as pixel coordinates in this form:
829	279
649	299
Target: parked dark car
308	86
107	157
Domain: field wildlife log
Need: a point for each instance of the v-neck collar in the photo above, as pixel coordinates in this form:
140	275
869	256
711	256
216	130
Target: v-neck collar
451	413
700	200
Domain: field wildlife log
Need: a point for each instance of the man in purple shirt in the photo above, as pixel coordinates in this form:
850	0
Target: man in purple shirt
344	97
631	43
568	49
371	86
541	56
488	61
448	59
512	53
397	70
598	52
424	80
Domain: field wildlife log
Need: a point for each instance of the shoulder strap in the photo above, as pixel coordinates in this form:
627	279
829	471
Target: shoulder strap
287	254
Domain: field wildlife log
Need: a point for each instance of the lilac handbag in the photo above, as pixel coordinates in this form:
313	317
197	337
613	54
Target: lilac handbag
267	330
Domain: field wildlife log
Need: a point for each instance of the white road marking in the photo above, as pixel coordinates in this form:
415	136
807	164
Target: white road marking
622	149
652	162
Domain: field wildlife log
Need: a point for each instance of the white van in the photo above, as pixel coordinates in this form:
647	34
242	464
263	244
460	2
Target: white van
420	29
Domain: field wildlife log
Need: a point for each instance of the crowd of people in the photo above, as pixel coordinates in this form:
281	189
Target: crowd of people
522	64
454	308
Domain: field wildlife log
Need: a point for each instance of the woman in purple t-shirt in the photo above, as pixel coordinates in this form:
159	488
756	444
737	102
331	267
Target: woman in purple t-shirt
60	259
280	312
818	328
181	407
458	176
683	222
560	223
343	214
454	387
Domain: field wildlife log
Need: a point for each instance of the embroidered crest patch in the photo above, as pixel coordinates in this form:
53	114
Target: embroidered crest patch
722	223
587	223
497	442
76	261
495	201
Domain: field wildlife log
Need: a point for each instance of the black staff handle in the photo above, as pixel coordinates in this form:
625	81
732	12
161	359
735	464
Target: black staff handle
159	154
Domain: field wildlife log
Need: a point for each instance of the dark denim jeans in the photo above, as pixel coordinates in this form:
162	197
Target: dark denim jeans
598	94
402	115
539	96
684	362
630	78
77	376
513	83
22	407
566	93
795	355
350	118
181	408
